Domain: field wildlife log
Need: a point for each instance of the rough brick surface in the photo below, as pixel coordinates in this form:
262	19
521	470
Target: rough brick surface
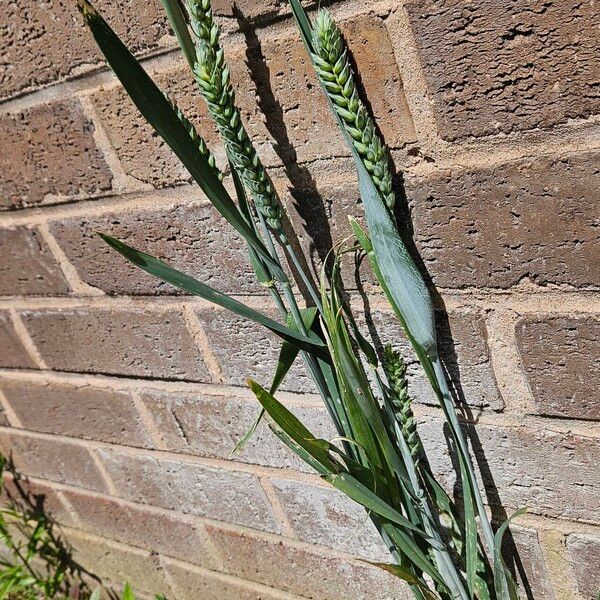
561	357
212	426
299	571
503	66
52	152
116	563
192	238
164	532
125	342
245	349
43	42
551	473
53	459
190	488
534	219
77	411
12	352
32	269
584	551
322	515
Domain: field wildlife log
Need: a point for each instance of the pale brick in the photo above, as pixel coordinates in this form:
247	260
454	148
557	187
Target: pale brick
12	352
584	551
133	342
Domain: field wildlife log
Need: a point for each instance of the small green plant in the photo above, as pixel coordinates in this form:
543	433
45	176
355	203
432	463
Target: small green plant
444	548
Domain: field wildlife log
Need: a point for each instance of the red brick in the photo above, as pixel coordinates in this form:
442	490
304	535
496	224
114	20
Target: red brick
113	562
77	411
322	515
52	153
133	342
503	66
160	532
281	565
584	551
551	473
560	355
245	350
192	238
12	352
192	583
189	488
32	269
52	459
211	426
529	219
46	42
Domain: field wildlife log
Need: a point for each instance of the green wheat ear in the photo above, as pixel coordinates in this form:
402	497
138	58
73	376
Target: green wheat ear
213	78
335	73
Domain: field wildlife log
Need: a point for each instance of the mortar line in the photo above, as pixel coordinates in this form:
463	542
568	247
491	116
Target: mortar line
104	474
560	574
77	285
148	421
26	340
11	415
278	510
199	336
68	507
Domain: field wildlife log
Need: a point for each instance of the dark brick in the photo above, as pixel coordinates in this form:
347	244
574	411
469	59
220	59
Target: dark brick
53	459
132	342
161	532
192	238
534	219
277	564
77	411
245	350
52	152
584	551
503	66
211	426
32	269
43	42
560	355
190	488
12	353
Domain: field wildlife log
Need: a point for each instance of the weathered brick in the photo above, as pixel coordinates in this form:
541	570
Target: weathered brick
245	349
45	42
32	269
190	488
503	66
462	340
160	532
280	565
53	459
322	515
551	473
584	551
192	238
12	352
211	426
112	562
126	342
52	152
530	566
192	583
80	411
561	357
530	219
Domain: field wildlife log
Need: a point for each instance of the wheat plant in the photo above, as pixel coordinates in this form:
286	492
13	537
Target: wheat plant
444	548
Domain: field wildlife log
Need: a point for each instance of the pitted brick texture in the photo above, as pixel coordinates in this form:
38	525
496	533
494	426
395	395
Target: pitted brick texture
503	66
52	153
132	342
32	269
192	238
561	355
584	551
45	41
12	352
79	411
532	219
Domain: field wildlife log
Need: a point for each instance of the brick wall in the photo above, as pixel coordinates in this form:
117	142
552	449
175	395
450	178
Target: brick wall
122	399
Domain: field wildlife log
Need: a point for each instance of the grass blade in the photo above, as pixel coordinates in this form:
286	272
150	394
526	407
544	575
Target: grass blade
179	26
